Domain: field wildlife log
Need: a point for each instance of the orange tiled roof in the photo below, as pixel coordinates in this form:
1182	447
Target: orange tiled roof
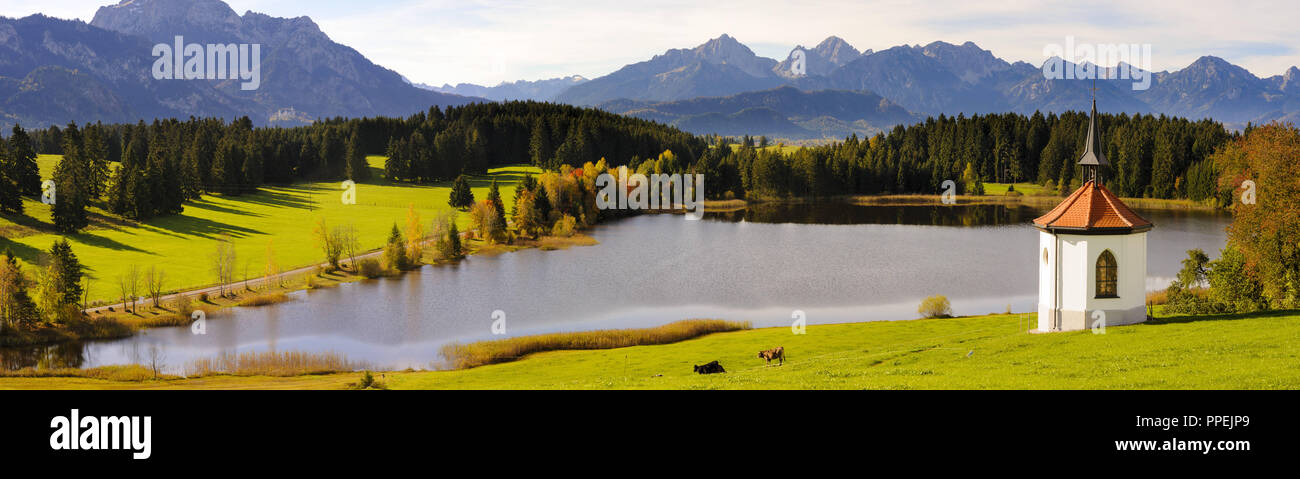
1090	208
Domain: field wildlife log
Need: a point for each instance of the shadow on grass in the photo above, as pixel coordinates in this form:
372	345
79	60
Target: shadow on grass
102	242
1223	317
24	252
207	205
33	225
201	227
273	198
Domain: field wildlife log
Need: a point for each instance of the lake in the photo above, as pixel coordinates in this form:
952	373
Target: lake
835	262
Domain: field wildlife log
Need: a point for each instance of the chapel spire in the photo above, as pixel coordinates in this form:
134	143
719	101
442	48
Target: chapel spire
1093	158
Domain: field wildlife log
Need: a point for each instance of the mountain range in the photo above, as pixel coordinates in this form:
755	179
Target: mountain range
783	112
539	90
938	78
53	71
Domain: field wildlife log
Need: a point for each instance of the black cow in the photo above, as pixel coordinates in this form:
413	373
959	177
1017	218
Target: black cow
711	368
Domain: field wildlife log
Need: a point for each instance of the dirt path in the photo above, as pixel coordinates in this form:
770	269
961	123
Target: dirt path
259	281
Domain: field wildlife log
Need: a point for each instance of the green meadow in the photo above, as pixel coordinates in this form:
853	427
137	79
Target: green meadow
999	189
1246	351
282	217
1259	351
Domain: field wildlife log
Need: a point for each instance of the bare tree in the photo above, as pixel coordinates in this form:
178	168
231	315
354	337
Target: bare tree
272	269
156	359
154	280
85	293
351	244
124	287
133	284
223	264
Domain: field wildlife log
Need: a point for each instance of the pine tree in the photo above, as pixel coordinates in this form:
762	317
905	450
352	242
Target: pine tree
96	157
69	211
357	168
494	195
461	195
540	151
27	173
67	272
227	165
251	171
11	199
453	239
448	241
395	257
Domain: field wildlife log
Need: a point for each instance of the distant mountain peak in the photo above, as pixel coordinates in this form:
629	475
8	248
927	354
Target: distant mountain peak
303	69
539	90
831	53
836	50
968	61
723	46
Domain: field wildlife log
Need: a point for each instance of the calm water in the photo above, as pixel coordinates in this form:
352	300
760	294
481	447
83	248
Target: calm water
837	263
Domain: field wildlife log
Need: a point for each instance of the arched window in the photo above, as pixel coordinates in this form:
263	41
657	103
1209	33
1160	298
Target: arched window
1107	271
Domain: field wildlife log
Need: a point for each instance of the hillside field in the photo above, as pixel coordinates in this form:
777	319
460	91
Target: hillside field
280	216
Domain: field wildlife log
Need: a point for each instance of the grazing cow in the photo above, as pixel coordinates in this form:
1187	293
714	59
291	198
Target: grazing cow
711	368
778	353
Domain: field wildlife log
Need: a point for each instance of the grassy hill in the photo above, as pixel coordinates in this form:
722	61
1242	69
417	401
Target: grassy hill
1254	351
281	215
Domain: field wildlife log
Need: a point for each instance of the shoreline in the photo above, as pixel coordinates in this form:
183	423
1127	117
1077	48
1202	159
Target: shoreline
937	200
113	321
967	352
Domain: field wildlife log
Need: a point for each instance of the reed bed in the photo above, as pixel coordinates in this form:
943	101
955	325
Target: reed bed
130	372
480	353
272	363
264	299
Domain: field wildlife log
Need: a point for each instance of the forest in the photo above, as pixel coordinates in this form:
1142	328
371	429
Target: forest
144	170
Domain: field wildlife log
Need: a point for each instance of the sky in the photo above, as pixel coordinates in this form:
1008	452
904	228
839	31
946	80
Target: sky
487	42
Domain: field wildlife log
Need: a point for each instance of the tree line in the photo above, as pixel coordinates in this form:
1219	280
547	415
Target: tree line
1151	156
144	170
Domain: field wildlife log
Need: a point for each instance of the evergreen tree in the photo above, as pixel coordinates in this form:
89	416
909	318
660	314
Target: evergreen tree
252	171
494	196
461	195
26	172
357	168
69	210
539	144
11	199
67	272
96	157
395	257
448	242
228	165
453	240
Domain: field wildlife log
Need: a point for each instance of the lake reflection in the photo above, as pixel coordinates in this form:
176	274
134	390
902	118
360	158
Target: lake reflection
835	262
